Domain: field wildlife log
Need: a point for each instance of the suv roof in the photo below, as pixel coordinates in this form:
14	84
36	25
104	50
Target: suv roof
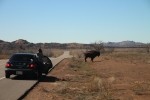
24	54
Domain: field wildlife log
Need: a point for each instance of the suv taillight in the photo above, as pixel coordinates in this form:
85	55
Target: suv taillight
32	66
8	65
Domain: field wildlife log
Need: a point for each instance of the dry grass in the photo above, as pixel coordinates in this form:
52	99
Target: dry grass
141	87
78	53
2	56
133	57
53	52
103	87
139	50
87	83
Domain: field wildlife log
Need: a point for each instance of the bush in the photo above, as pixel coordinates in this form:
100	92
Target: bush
104	87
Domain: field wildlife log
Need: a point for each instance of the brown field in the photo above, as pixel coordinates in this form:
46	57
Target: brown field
112	76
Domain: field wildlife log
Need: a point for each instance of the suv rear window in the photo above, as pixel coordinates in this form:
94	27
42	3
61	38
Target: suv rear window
21	57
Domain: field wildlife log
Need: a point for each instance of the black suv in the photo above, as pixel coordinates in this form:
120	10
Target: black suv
27	64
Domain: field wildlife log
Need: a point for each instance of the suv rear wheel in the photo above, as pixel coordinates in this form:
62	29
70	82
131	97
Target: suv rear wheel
7	75
39	75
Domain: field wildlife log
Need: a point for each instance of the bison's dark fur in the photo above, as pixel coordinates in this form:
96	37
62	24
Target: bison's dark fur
91	54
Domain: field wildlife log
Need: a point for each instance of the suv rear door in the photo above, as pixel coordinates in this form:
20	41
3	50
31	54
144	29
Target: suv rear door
47	64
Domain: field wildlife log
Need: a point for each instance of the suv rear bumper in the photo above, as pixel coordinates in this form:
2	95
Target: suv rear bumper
20	71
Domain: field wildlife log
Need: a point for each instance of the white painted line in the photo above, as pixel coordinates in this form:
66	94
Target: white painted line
2	78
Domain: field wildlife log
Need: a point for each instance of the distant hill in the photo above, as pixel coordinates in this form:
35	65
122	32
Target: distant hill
1	41
22	44
124	44
21	41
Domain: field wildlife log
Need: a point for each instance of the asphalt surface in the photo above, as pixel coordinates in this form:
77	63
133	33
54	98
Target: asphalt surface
15	87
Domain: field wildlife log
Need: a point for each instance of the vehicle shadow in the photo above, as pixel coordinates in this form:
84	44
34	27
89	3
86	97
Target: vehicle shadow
44	78
21	77
49	79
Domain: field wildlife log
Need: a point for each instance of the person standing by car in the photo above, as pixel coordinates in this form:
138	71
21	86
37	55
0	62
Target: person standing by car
40	60
40	55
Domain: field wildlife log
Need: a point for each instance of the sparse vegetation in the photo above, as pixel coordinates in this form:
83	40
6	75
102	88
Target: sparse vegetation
103	87
53	52
133	57
3	56
109	50
147	47
85	86
77	53
141	87
98	45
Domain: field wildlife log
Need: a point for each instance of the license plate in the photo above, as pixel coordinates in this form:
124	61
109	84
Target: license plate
19	72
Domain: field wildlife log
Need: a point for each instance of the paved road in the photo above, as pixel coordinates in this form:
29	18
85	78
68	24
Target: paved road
12	89
2	68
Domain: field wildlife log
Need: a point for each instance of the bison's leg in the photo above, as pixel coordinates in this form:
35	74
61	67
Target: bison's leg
92	59
85	59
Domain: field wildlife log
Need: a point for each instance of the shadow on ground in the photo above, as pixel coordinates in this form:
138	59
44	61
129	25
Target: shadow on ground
21	77
49	79
44	78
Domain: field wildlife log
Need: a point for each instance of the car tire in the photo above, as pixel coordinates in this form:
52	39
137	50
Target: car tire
7	75
39	75
46	72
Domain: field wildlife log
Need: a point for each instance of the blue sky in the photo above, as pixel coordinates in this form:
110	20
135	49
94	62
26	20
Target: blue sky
81	21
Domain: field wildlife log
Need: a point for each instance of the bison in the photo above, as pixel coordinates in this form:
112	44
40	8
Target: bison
91	54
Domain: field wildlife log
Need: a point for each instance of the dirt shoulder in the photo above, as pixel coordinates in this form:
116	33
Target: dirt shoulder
107	78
